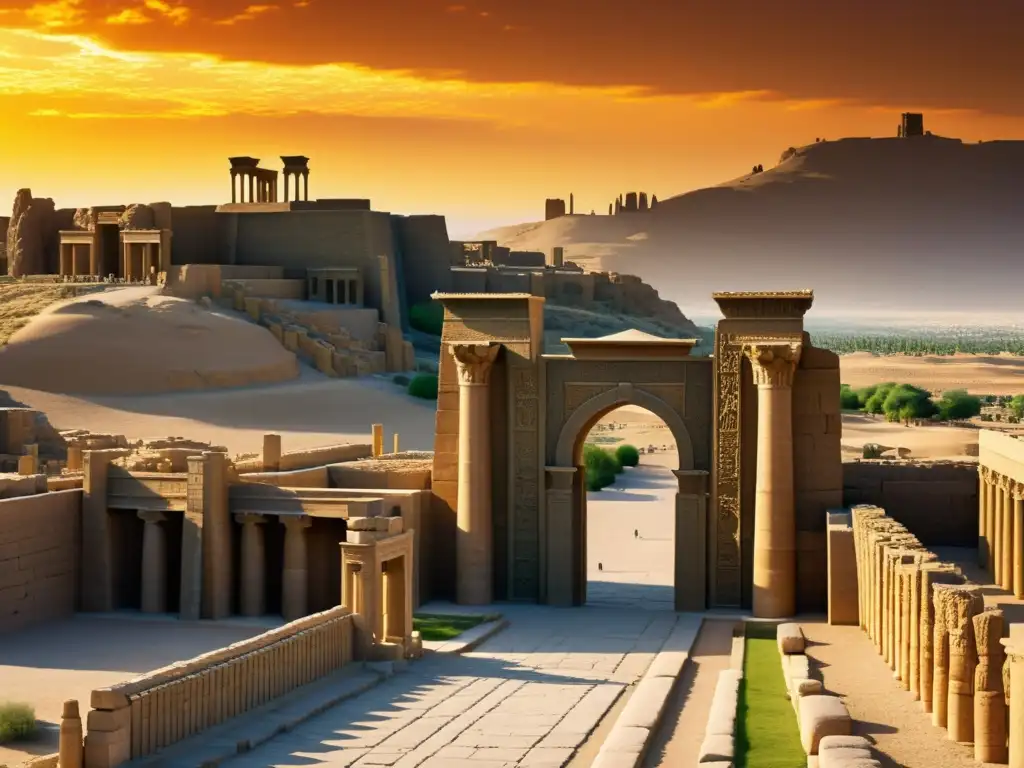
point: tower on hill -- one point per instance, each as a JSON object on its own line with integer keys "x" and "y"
{"x": 912, "y": 125}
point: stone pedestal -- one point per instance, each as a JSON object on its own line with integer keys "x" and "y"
{"x": 295, "y": 575}
{"x": 473, "y": 543}
{"x": 378, "y": 439}
{"x": 74, "y": 459}
{"x": 271, "y": 453}
{"x": 989, "y": 696}
{"x": 962, "y": 605}
{"x": 27, "y": 465}
{"x": 154, "y": 562}
{"x": 253, "y": 578}
{"x": 69, "y": 751}
{"x": 774, "y": 593}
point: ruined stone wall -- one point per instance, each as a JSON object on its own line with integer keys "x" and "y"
{"x": 195, "y": 235}
{"x": 469, "y": 280}
{"x": 426, "y": 255}
{"x": 936, "y": 501}
{"x": 40, "y": 541}
{"x": 817, "y": 469}
{"x": 317, "y": 239}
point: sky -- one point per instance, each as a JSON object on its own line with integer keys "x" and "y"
{"x": 478, "y": 109}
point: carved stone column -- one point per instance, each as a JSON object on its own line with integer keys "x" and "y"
{"x": 940, "y": 654}
{"x": 938, "y": 573}
{"x": 1013, "y": 684}
{"x": 774, "y": 594}
{"x": 989, "y": 696}
{"x": 983, "y": 483}
{"x": 990, "y": 520}
{"x": 962, "y": 605}
{"x": 154, "y": 562}
{"x": 561, "y": 535}
{"x": 473, "y": 543}
{"x": 1018, "y": 542}
{"x": 253, "y": 578}
{"x": 295, "y": 574}
{"x": 996, "y": 553}
{"x": 1013, "y": 490}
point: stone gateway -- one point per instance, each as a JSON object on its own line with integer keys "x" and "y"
{"x": 756, "y": 425}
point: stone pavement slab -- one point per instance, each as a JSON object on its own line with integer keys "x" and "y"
{"x": 528, "y": 696}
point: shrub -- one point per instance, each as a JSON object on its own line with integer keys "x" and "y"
{"x": 424, "y": 385}
{"x": 601, "y": 467}
{"x": 957, "y": 404}
{"x": 17, "y": 721}
{"x": 400, "y": 380}
{"x": 427, "y": 317}
{"x": 627, "y": 455}
{"x": 1016, "y": 405}
{"x": 848, "y": 399}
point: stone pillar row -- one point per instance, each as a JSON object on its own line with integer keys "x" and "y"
{"x": 1001, "y": 530}
{"x": 932, "y": 628}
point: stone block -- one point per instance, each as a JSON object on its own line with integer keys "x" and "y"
{"x": 790, "y": 638}
{"x": 645, "y": 706}
{"x": 822, "y": 716}
{"x": 716, "y": 748}
{"x": 807, "y": 687}
{"x": 797, "y": 667}
{"x": 364, "y": 537}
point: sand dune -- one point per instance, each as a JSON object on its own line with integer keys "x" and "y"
{"x": 133, "y": 341}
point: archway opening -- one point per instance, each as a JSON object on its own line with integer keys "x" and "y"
{"x": 627, "y": 513}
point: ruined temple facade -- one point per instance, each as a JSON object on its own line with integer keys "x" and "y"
{"x": 509, "y": 496}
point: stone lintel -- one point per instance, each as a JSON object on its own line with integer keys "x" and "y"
{"x": 692, "y": 482}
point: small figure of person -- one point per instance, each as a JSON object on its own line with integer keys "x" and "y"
{"x": 636, "y": 534}
{"x": 600, "y": 566}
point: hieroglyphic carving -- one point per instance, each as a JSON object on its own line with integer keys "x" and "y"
{"x": 526, "y": 467}
{"x": 727, "y": 469}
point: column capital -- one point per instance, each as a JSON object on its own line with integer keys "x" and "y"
{"x": 152, "y": 516}
{"x": 250, "y": 518}
{"x": 474, "y": 361}
{"x": 296, "y": 522}
{"x": 692, "y": 482}
{"x": 1013, "y": 648}
{"x": 773, "y": 362}
{"x": 1002, "y": 481}
{"x": 1016, "y": 490}
{"x": 985, "y": 473}
{"x": 560, "y": 478}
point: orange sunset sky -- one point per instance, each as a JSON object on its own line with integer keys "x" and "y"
{"x": 478, "y": 109}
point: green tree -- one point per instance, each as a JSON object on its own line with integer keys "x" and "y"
{"x": 903, "y": 402}
{"x": 627, "y": 455}
{"x": 848, "y": 399}
{"x": 956, "y": 405}
{"x": 1017, "y": 406}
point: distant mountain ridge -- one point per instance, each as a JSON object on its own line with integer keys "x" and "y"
{"x": 919, "y": 223}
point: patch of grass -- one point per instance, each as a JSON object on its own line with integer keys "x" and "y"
{"x": 21, "y": 301}
{"x": 440, "y": 627}
{"x": 17, "y": 722}
{"x": 767, "y": 735}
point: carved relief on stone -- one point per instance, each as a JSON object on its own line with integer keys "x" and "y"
{"x": 475, "y": 361}
{"x": 962, "y": 605}
{"x": 455, "y": 331}
{"x": 989, "y": 696}
{"x": 727, "y": 468}
{"x": 773, "y": 364}
{"x": 1017, "y": 490}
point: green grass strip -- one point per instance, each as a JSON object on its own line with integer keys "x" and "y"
{"x": 767, "y": 735}
{"x": 441, "y": 627}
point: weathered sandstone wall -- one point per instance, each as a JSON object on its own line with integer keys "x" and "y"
{"x": 40, "y": 538}
{"x": 426, "y": 255}
{"x": 937, "y": 502}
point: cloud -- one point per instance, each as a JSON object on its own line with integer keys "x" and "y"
{"x": 56, "y": 14}
{"x": 802, "y": 50}
{"x": 250, "y": 13}
{"x": 129, "y": 16}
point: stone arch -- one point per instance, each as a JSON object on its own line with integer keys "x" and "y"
{"x": 579, "y": 423}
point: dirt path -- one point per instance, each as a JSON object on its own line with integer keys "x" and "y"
{"x": 883, "y": 712}
{"x": 679, "y": 737}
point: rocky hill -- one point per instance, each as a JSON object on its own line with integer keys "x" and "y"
{"x": 925, "y": 222}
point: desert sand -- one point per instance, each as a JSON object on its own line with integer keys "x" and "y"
{"x": 978, "y": 374}
{"x": 135, "y": 341}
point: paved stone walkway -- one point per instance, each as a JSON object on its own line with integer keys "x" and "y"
{"x": 527, "y": 697}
